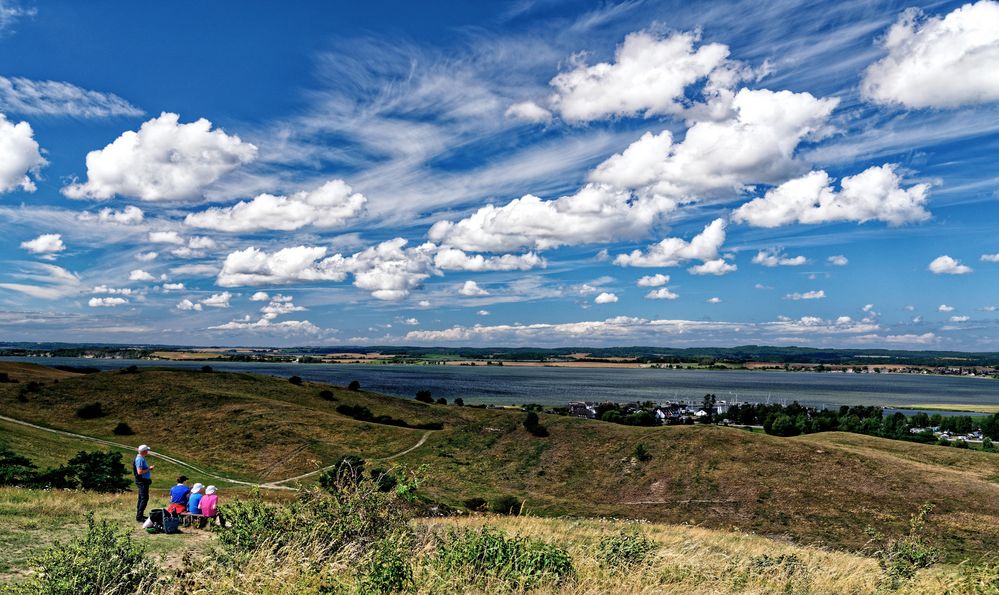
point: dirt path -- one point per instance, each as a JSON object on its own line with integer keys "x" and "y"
{"x": 278, "y": 484}
{"x": 273, "y": 485}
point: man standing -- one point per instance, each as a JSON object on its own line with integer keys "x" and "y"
{"x": 141, "y": 470}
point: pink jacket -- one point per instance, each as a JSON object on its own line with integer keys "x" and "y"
{"x": 209, "y": 505}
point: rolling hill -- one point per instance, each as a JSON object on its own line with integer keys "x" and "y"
{"x": 821, "y": 489}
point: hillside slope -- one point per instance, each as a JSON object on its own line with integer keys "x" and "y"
{"x": 821, "y": 489}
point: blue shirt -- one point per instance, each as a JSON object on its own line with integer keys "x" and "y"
{"x": 194, "y": 504}
{"x": 140, "y": 463}
{"x": 178, "y": 494}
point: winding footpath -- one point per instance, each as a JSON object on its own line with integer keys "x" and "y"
{"x": 272, "y": 485}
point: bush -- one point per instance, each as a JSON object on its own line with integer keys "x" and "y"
{"x": 91, "y": 411}
{"x": 347, "y": 468}
{"x": 475, "y": 504}
{"x": 424, "y": 396}
{"x": 122, "y": 429}
{"x": 15, "y": 470}
{"x": 641, "y": 453}
{"x": 388, "y": 569}
{"x": 102, "y": 561}
{"x": 254, "y": 524}
{"x": 441, "y": 401}
{"x": 354, "y": 385}
{"x": 32, "y": 387}
{"x": 943, "y": 441}
{"x": 4, "y": 377}
{"x": 56, "y": 478}
{"x": 506, "y": 505}
{"x": 959, "y": 443}
{"x": 296, "y": 380}
{"x": 327, "y": 395}
{"x": 520, "y": 562}
{"x": 100, "y": 471}
{"x": 987, "y": 444}
{"x": 459, "y": 402}
{"x": 625, "y": 549}
{"x": 131, "y": 370}
{"x": 206, "y": 369}
{"x": 384, "y": 480}
{"x": 901, "y": 557}
{"x": 532, "y": 425}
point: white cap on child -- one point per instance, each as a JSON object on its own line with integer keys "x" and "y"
{"x": 197, "y": 488}
{"x": 209, "y": 490}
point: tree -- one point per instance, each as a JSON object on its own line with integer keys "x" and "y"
{"x": 782, "y": 425}
{"x": 459, "y": 402}
{"x": 442, "y": 401}
{"x": 206, "y": 369}
{"x": 100, "y": 471}
{"x": 708, "y": 405}
{"x": 424, "y": 396}
{"x": 296, "y": 380}
{"x": 354, "y": 385}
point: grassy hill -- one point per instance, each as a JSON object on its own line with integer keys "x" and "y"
{"x": 821, "y": 489}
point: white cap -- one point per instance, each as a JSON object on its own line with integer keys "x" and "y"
{"x": 197, "y": 488}
{"x": 209, "y": 490}
{"x": 143, "y": 447}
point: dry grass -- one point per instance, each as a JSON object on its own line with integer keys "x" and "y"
{"x": 957, "y": 407}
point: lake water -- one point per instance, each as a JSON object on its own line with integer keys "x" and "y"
{"x": 557, "y": 386}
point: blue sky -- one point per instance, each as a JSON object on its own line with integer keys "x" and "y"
{"x": 501, "y": 173}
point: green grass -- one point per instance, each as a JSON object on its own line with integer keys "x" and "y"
{"x": 820, "y": 489}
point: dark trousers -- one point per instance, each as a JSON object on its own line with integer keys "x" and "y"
{"x": 143, "y": 489}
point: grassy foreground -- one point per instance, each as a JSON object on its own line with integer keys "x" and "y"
{"x": 680, "y": 559}
{"x": 818, "y": 490}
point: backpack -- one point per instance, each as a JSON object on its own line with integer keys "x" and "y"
{"x": 171, "y": 523}
{"x": 155, "y": 522}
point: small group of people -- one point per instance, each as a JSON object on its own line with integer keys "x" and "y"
{"x": 195, "y": 500}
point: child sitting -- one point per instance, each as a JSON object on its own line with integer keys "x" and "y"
{"x": 178, "y": 496}
{"x": 194, "y": 501}
{"x": 209, "y": 506}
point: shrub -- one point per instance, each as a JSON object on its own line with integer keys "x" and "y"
{"x": 102, "y": 561}
{"x": 384, "y": 480}
{"x": 62, "y": 477}
{"x": 625, "y": 549}
{"x": 206, "y": 369}
{"x": 131, "y": 370}
{"x": 354, "y": 385}
{"x": 781, "y": 569}
{"x": 122, "y": 429}
{"x": 388, "y": 569}
{"x": 296, "y": 380}
{"x": 459, "y": 402}
{"x": 506, "y": 505}
{"x": 424, "y": 396}
{"x": 987, "y": 444}
{"x": 901, "y": 557}
{"x": 4, "y": 377}
{"x": 327, "y": 395}
{"x": 532, "y": 425}
{"x": 91, "y": 411}
{"x": 254, "y": 524}
{"x": 980, "y": 578}
{"x": 943, "y": 441}
{"x": 347, "y": 468}
{"x": 441, "y": 401}
{"x": 520, "y": 562}
{"x": 475, "y": 504}
{"x": 33, "y": 387}
{"x": 100, "y": 471}
{"x": 959, "y": 443}
{"x": 14, "y": 469}
{"x": 641, "y": 453}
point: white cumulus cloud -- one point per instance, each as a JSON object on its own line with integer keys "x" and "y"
{"x": 656, "y": 280}
{"x": 528, "y": 111}
{"x": 106, "y": 302}
{"x": 20, "y": 156}
{"x": 663, "y": 293}
{"x": 48, "y": 243}
{"x": 471, "y": 288}
{"x": 674, "y": 251}
{"x": 939, "y": 62}
{"x": 717, "y": 267}
{"x": 838, "y": 260}
{"x": 808, "y": 295}
{"x": 872, "y": 195}
{"x": 775, "y": 257}
{"x": 332, "y": 205}
{"x": 945, "y": 265}
{"x": 605, "y": 298}
{"x": 164, "y": 161}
